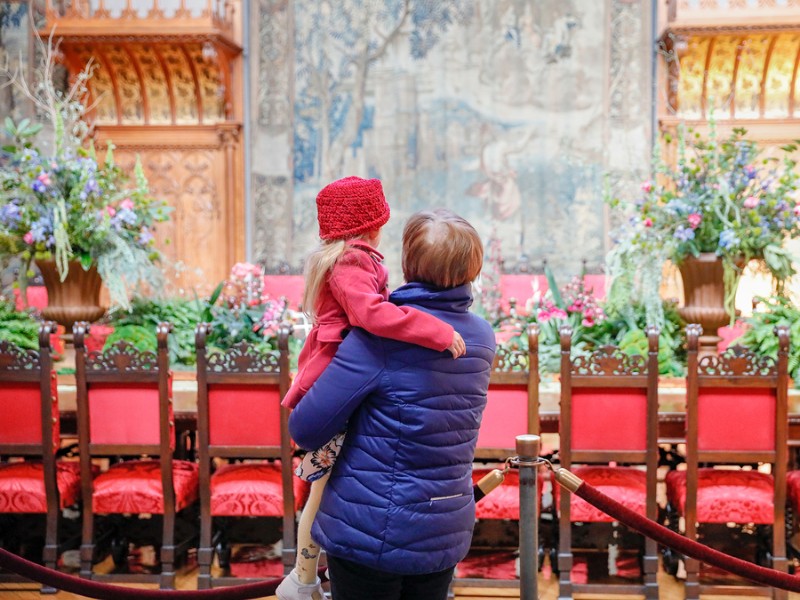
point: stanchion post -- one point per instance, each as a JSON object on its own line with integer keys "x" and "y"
{"x": 527, "y": 455}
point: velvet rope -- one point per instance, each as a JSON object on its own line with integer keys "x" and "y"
{"x": 104, "y": 591}
{"x": 676, "y": 541}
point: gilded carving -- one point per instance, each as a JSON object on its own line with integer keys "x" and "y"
{"x": 183, "y": 84}
{"x": 750, "y": 73}
{"x": 130, "y": 94}
{"x": 210, "y": 84}
{"x": 692, "y": 77}
{"x": 719, "y": 77}
{"x": 100, "y": 85}
{"x": 154, "y": 82}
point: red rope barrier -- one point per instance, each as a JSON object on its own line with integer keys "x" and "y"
{"x": 675, "y": 540}
{"x": 104, "y": 591}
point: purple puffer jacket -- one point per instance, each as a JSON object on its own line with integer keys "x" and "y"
{"x": 400, "y": 495}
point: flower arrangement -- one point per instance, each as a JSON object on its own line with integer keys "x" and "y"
{"x": 720, "y": 197}
{"x": 63, "y": 204}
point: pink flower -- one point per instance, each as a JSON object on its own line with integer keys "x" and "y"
{"x": 648, "y": 222}
{"x": 694, "y": 220}
{"x": 111, "y": 211}
{"x": 647, "y": 186}
{"x": 797, "y": 210}
{"x": 750, "y": 202}
{"x": 587, "y": 322}
{"x": 126, "y": 204}
{"x": 28, "y": 238}
{"x": 243, "y": 270}
{"x": 44, "y": 178}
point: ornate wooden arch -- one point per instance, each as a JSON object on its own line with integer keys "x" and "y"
{"x": 136, "y": 83}
{"x": 739, "y": 76}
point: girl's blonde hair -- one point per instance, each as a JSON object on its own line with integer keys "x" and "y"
{"x": 318, "y": 265}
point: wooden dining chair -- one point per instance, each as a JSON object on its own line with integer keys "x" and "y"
{"x": 608, "y": 436}
{"x": 512, "y": 409}
{"x": 736, "y": 418}
{"x": 29, "y": 429}
{"x": 125, "y": 414}
{"x": 246, "y": 454}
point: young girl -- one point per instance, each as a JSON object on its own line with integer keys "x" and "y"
{"x": 346, "y": 286}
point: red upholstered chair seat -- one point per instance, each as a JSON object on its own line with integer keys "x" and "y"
{"x": 135, "y": 487}
{"x": 503, "y": 501}
{"x": 251, "y": 489}
{"x": 628, "y": 486}
{"x": 22, "y": 486}
{"x": 793, "y": 488}
{"x": 726, "y": 496}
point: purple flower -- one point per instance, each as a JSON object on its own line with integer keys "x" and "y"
{"x": 684, "y": 234}
{"x": 145, "y": 236}
{"x": 10, "y": 214}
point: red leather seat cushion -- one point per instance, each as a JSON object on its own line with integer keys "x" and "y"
{"x": 626, "y": 485}
{"x": 251, "y": 489}
{"x": 725, "y": 496}
{"x": 135, "y": 487}
{"x": 22, "y": 486}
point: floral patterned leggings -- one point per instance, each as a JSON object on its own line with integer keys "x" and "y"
{"x": 318, "y": 463}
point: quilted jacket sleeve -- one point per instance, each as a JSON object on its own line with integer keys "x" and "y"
{"x": 342, "y": 387}
{"x": 355, "y": 287}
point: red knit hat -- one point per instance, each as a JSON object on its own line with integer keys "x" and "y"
{"x": 351, "y": 206}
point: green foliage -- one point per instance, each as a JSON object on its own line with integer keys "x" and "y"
{"x": 138, "y": 325}
{"x": 17, "y": 327}
{"x": 760, "y": 336}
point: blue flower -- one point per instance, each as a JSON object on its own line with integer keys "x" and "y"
{"x": 728, "y": 239}
{"x": 41, "y": 229}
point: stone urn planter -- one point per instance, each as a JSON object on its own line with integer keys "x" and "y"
{"x": 77, "y": 298}
{"x": 704, "y": 298}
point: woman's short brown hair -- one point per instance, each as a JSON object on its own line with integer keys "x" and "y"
{"x": 441, "y": 248}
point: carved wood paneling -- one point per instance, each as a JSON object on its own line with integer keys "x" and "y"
{"x": 190, "y": 168}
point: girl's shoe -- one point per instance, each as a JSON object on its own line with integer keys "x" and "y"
{"x": 291, "y": 589}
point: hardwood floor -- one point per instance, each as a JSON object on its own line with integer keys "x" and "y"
{"x": 669, "y": 589}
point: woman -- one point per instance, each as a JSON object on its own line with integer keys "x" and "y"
{"x": 398, "y": 510}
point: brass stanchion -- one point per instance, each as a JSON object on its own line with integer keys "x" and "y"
{"x": 528, "y": 461}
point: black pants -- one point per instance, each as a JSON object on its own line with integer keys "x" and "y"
{"x": 351, "y": 581}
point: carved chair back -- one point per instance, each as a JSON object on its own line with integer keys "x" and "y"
{"x": 124, "y": 403}
{"x": 239, "y": 393}
{"x": 512, "y": 409}
{"x": 512, "y": 406}
{"x": 736, "y": 414}
{"x": 30, "y": 428}
{"x": 609, "y": 418}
